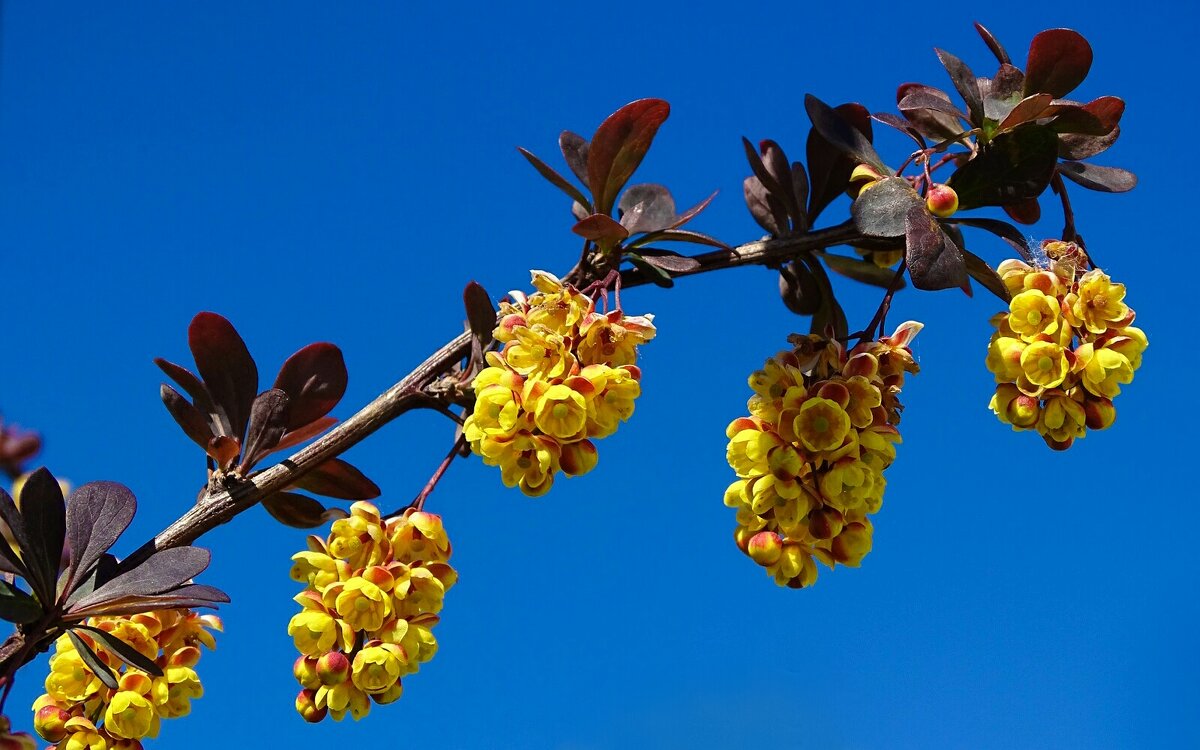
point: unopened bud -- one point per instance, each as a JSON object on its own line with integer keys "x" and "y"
{"x": 333, "y": 668}
{"x": 306, "y": 706}
{"x": 941, "y": 200}
{"x": 765, "y": 547}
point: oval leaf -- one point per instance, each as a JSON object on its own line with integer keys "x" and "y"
{"x": 934, "y": 261}
{"x": 314, "y": 380}
{"x": 1014, "y": 166}
{"x": 300, "y": 511}
{"x": 862, "y": 270}
{"x": 97, "y": 514}
{"x": 880, "y": 208}
{"x": 190, "y": 419}
{"x": 601, "y": 229}
{"x": 555, "y": 179}
{"x": 842, "y": 135}
{"x": 986, "y": 276}
{"x": 646, "y": 208}
{"x": 575, "y": 150}
{"x": 43, "y": 515}
{"x": 225, "y": 365}
{"x": 268, "y": 422}
{"x": 1093, "y": 177}
{"x": 1059, "y": 60}
{"x": 337, "y": 478}
{"x": 618, "y": 147}
{"x": 159, "y": 573}
{"x": 965, "y": 83}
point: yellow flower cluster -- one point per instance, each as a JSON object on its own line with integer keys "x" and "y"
{"x": 564, "y": 376}
{"x": 1063, "y": 349}
{"x": 810, "y": 457}
{"x": 375, "y": 587}
{"x": 79, "y": 713}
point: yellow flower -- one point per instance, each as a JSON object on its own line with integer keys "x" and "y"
{"x": 130, "y": 715}
{"x": 1044, "y": 364}
{"x": 539, "y": 352}
{"x": 83, "y": 735}
{"x": 1015, "y": 408}
{"x": 1033, "y": 313}
{"x": 362, "y": 605}
{"x": 313, "y": 632}
{"x": 70, "y": 680}
{"x": 378, "y": 667}
{"x": 559, "y": 412}
{"x": 1103, "y": 370}
{"x": 1004, "y": 358}
{"x": 613, "y": 339}
{"x": 821, "y": 424}
{"x": 853, "y": 543}
{"x": 1098, "y": 305}
{"x": 1062, "y": 420}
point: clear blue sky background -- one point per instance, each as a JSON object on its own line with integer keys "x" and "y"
{"x": 338, "y": 174}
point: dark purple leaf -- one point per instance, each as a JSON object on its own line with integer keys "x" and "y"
{"x": 1001, "y": 93}
{"x": 680, "y": 235}
{"x": 1059, "y": 60}
{"x": 121, "y": 650}
{"x": 1108, "y": 110}
{"x": 1093, "y": 177}
{"x": 16, "y": 606}
{"x": 314, "y": 380}
{"x": 861, "y": 270}
{"x": 481, "y": 313}
{"x": 646, "y": 208}
{"x": 798, "y": 288}
{"x": 965, "y": 83}
{"x": 1002, "y": 229}
{"x": 843, "y": 135}
{"x": 601, "y": 229}
{"x": 767, "y": 211}
{"x": 1027, "y": 211}
{"x": 656, "y": 275}
{"x": 194, "y": 424}
{"x": 102, "y": 572}
{"x": 161, "y": 572}
{"x": 575, "y": 151}
{"x": 268, "y": 422}
{"x": 692, "y": 212}
{"x": 987, "y": 277}
{"x": 43, "y": 517}
{"x": 904, "y": 126}
{"x": 800, "y": 223}
{"x": 191, "y": 385}
{"x": 923, "y": 98}
{"x": 776, "y": 164}
{"x": 880, "y": 208}
{"x": 10, "y": 562}
{"x": 993, "y": 44}
{"x": 226, "y": 366}
{"x": 829, "y": 318}
{"x": 299, "y": 511}
{"x": 618, "y": 147}
{"x": 754, "y": 159}
{"x": 93, "y": 662}
{"x": 1075, "y": 147}
{"x": 1069, "y": 118}
{"x": 190, "y": 596}
{"x": 934, "y": 261}
{"x": 97, "y": 514}
{"x": 336, "y": 478}
{"x": 292, "y": 438}
{"x": 669, "y": 261}
{"x": 932, "y": 123}
{"x": 1014, "y": 166}
{"x": 555, "y": 179}
{"x": 1027, "y": 109}
{"x": 828, "y": 168}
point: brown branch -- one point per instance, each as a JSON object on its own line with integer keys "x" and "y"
{"x": 221, "y": 506}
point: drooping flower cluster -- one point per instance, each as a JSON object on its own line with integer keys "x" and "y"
{"x": 565, "y": 376}
{"x": 810, "y": 457}
{"x": 374, "y": 591}
{"x": 1063, "y": 349}
{"x": 78, "y": 711}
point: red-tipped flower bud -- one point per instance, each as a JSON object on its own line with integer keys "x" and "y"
{"x": 941, "y": 200}
{"x": 306, "y": 706}
{"x": 333, "y": 668}
{"x": 765, "y": 547}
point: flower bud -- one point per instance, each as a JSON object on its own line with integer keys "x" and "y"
{"x": 51, "y": 723}
{"x": 941, "y": 200}
{"x": 333, "y": 668}
{"x": 765, "y": 547}
{"x": 305, "y": 670}
{"x": 1099, "y": 413}
{"x": 306, "y": 706}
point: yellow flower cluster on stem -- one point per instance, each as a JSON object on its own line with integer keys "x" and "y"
{"x": 565, "y": 375}
{"x": 1063, "y": 349}
{"x": 811, "y": 455}
{"x": 374, "y": 590}
{"x": 78, "y": 712}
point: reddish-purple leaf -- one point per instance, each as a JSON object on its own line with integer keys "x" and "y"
{"x": 1002, "y": 92}
{"x": 899, "y": 123}
{"x": 295, "y": 437}
{"x": 776, "y": 164}
{"x": 1093, "y": 177}
{"x": 767, "y": 211}
{"x": 190, "y": 596}
{"x": 965, "y": 83}
{"x": 1002, "y": 229}
{"x": 993, "y": 44}
{"x": 692, "y": 212}
{"x": 798, "y": 288}
{"x": 800, "y": 222}
{"x": 654, "y": 274}
{"x": 16, "y": 606}
{"x": 923, "y": 98}
{"x": 1075, "y": 147}
{"x": 930, "y": 122}
{"x": 268, "y": 422}
{"x": 554, "y": 178}
{"x": 43, "y": 530}
{"x": 828, "y": 168}
{"x": 1059, "y": 60}
{"x": 987, "y": 277}
{"x": 190, "y": 384}
{"x": 94, "y": 663}
{"x": 934, "y": 261}
{"x": 669, "y": 261}
{"x": 481, "y": 313}
{"x": 337, "y": 478}
{"x": 1107, "y": 109}
{"x": 861, "y": 270}
{"x": 121, "y": 650}
{"x": 1071, "y": 118}
{"x": 1027, "y": 109}
{"x": 575, "y": 150}
{"x": 10, "y": 562}
{"x": 646, "y": 208}
{"x": 601, "y": 229}
{"x": 618, "y": 147}
{"x": 680, "y": 235}
{"x": 880, "y": 209}
{"x": 226, "y": 366}
{"x": 300, "y": 511}
{"x": 1014, "y": 166}
{"x": 842, "y": 134}
{"x": 97, "y": 514}
{"x": 314, "y": 380}
{"x": 159, "y": 573}
{"x": 194, "y": 424}
{"x": 1026, "y": 211}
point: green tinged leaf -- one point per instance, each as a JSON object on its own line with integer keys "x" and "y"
{"x": 16, "y": 606}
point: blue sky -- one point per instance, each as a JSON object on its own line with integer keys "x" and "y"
{"x": 323, "y": 173}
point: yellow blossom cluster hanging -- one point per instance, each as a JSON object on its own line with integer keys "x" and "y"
{"x": 79, "y": 713}
{"x": 564, "y": 376}
{"x": 374, "y": 591}
{"x": 810, "y": 457}
{"x": 1063, "y": 349}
